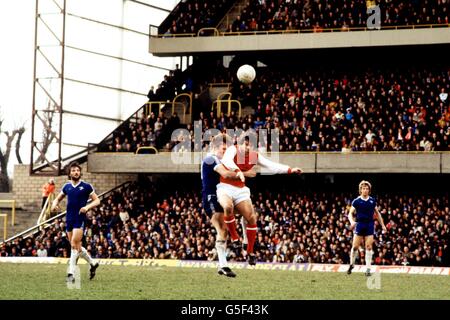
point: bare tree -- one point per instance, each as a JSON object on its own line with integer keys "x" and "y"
{"x": 5, "y": 153}
{"x": 4, "y": 159}
{"x": 20, "y": 133}
{"x": 48, "y": 134}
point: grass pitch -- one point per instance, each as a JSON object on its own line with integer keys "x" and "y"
{"x": 47, "y": 281}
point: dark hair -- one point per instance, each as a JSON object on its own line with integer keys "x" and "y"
{"x": 74, "y": 164}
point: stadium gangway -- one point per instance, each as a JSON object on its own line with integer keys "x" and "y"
{"x": 47, "y": 223}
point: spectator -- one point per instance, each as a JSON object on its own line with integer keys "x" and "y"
{"x": 47, "y": 190}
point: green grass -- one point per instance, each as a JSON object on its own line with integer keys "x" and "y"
{"x": 47, "y": 281}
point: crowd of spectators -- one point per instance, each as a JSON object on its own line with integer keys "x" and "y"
{"x": 142, "y": 221}
{"x": 390, "y": 109}
{"x": 264, "y": 15}
{"x": 192, "y": 15}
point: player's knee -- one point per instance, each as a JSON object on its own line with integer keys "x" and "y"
{"x": 252, "y": 219}
{"x": 75, "y": 244}
{"x": 228, "y": 209}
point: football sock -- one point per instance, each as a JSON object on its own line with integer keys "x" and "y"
{"x": 251, "y": 235}
{"x": 353, "y": 254}
{"x": 84, "y": 254}
{"x": 231, "y": 225}
{"x": 369, "y": 254}
{"x": 221, "y": 248}
{"x": 73, "y": 261}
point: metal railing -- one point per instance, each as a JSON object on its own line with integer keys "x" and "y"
{"x": 46, "y": 209}
{"x": 5, "y": 224}
{"x": 13, "y": 209}
{"x": 138, "y": 151}
{"x": 47, "y": 223}
{"x": 218, "y": 105}
{"x": 311, "y": 30}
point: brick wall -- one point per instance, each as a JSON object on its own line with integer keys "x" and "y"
{"x": 26, "y": 189}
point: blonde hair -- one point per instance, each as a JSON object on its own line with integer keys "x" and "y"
{"x": 365, "y": 183}
{"x": 219, "y": 139}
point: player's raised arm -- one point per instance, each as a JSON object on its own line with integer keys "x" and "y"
{"x": 55, "y": 203}
{"x": 380, "y": 219}
{"x": 275, "y": 167}
{"x": 228, "y": 162}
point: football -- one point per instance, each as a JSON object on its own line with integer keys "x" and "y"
{"x": 246, "y": 73}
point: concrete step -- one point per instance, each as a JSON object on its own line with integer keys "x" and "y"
{"x": 23, "y": 220}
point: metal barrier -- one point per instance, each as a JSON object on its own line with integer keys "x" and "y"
{"x": 174, "y": 102}
{"x": 202, "y": 30}
{"x": 13, "y": 209}
{"x": 46, "y": 210}
{"x": 218, "y": 105}
{"x": 146, "y": 148}
{"x": 47, "y": 222}
{"x": 5, "y": 225}
{"x": 161, "y": 104}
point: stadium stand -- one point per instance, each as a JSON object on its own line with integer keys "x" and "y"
{"x": 343, "y": 14}
{"x": 189, "y": 16}
{"x": 152, "y": 220}
{"x": 390, "y": 109}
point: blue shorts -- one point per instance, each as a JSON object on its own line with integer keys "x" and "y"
{"x": 211, "y": 204}
{"x": 365, "y": 228}
{"x": 74, "y": 224}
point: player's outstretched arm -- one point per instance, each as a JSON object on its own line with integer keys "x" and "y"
{"x": 95, "y": 202}
{"x": 380, "y": 219}
{"x": 275, "y": 167}
{"x": 55, "y": 203}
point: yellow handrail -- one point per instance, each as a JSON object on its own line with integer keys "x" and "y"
{"x": 13, "y": 209}
{"x": 146, "y": 148}
{"x": 189, "y": 95}
{"x": 5, "y": 225}
{"x": 223, "y": 94}
{"x": 218, "y": 103}
{"x": 46, "y": 210}
{"x": 148, "y": 107}
{"x": 216, "y": 32}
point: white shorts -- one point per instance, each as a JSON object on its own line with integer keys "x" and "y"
{"x": 235, "y": 193}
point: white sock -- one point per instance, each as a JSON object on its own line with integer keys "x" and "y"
{"x": 222, "y": 253}
{"x": 353, "y": 254}
{"x": 369, "y": 254}
{"x": 244, "y": 230}
{"x": 85, "y": 255}
{"x": 73, "y": 261}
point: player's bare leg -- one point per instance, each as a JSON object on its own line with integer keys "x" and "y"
{"x": 354, "y": 252}
{"x": 245, "y": 208}
{"x": 369, "y": 253}
{"x": 221, "y": 244}
{"x": 227, "y": 204}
